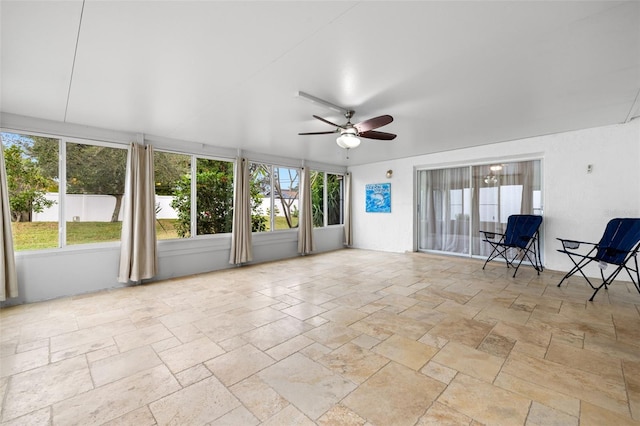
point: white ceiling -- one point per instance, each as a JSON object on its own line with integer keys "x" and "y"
{"x": 452, "y": 74}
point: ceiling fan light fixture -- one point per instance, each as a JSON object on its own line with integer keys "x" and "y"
{"x": 348, "y": 141}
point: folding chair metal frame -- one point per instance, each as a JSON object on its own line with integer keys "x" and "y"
{"x": 527, "y": 246}
{"x": 603, "y": 253}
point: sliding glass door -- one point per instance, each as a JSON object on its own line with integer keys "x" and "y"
{"x": 454, "y": 204}
{"x": 444, "y": 209}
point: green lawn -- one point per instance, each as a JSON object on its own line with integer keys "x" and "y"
{"x": 34, "y": 235}
{"x": 281, "y": 223}
{"x": 43, "y": 235}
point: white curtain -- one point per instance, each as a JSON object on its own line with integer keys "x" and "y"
{"x": 445, "y": 211}
{"x": 241, "y": 251}
{"x": 138, "y": 252}
{"x": 511, "y": 193}
{"x": 305, "y": 226}
{"x": 8, "y": 275}
{"x": 348, "y": 229}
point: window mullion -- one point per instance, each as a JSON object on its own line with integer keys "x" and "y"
{"x": 342, "y": 200}
{"x": 194, "y": 200}
{"x": 272, "y": 218}
{"x": 325, "y": 201}
{"x": 62, "y": 192}
{"x": 471, "y": 217}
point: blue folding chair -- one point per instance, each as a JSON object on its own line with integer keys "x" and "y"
{"x": 522, "y": 235}
{"x": 618, "y": 245}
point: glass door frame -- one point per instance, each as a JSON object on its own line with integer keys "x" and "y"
{"x": 418, "y": 207}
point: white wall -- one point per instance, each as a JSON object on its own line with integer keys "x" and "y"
{"x": 49, "y": 274}
{"x": 576, "y": 204}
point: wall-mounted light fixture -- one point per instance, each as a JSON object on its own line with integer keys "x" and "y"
{"x": 389, "y": 174}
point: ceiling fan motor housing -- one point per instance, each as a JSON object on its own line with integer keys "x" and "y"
{"x": 349, "y": 130}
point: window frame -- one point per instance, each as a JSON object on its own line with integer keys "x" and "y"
{"x": 193, "y": 155}
{"x": 325, "y": 198}
{"x": 62, "y": 175}
{"x": 537, "y": 162}
{"x": 272, "y": 200}
{"x": 62, "y": 188}
{"x": 62, "y": 141}
{"x": 194, "y": 193}
{"x": 193, "y": 226}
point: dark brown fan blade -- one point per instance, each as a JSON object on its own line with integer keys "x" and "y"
{"x": 372, "y": 134}
{"x": 373, "y": 123}
{"x": 328, "y": 122}
{"x": 318, "y": 133}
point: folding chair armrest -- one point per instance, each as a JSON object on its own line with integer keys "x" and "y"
{"x": 491, "y": 235}
{"x": 573, "y": 244}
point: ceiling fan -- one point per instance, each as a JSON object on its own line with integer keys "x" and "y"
{"x": 350, "y": 133}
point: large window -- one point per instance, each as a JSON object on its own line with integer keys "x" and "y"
{"x": 214, "y": 196}
{"x": 455, "y": 204}
{"x": 327, "y": 195}
{"x": 95, "y": 177}
{"x": 173, "y": 195}
{"x": 277, "y": 190}
{"x": 33, "y": 192}
{"x": 87, "y": 209}
{"x": 208, "y": 186}
{"x": 70, "y": 192}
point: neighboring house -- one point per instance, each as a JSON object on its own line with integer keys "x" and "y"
{"x": 290, "y": 198}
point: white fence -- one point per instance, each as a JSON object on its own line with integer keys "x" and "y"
{"x": 94, "y": 208}
{"x": 99, "y": 208}
{"x": 163, "y": 207}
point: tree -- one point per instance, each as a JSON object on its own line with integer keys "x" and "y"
{"x": 206, "y": 181}
{"x": 334, "y": 190}
{"x": 45, "y": 151}
{"x": 287, "y": 196}
{"x": 285, "y": 187}
{"x": 334, "y": 199}
{"x": 214, "y": 198}
{"x": 94, "y": 169}
{"x": 316, "y": 182}
{"x": 256, "y": 189}
{"x": 91, "y": 169}
{"x": 26, "y": 183}
{"x": 169, "y": 170}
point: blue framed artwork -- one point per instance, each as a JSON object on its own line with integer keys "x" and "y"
{"x": 378, "y": 197}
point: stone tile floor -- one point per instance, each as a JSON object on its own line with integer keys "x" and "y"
{"x": 349, "y": 337}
